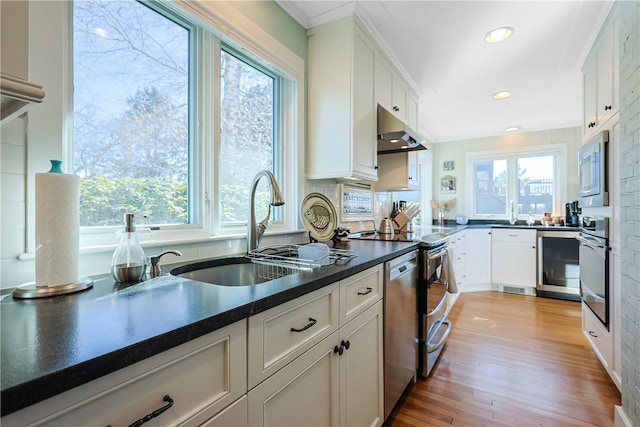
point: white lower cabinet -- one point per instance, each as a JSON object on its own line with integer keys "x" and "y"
{"x": 338, "y": 382}
{"x": 513, "y": 258}
{"x": 599, "y": 337}
{"x": 200, "y": 377}
{"x": 330, "y": 373}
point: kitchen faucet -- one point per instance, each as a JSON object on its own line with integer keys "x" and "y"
{"x": 255, "y": 231}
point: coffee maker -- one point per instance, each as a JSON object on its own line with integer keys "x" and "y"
{"x": 572, "y": 210}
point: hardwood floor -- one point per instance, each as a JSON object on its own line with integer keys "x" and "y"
{"x": 512, "y": 360}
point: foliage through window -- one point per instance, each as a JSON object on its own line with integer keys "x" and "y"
{"x": 131, "y": 113}
{"x": 527, "y": 180}
{"x": 247, "y": 135}
{"x": 133, "y": 149}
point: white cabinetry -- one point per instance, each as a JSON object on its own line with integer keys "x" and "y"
{"x": 513, "y": 259}
{"x": 398, "y": 171}
{"x": 393, "y": 93}
{"x": 201, "y": 377}
{"x": 337, "y": 381}
{"x": 342, "y": 113}
{"x": 600, "y": 80}
{"x": 599, "y": 337}
{"x": 471, "y": 249}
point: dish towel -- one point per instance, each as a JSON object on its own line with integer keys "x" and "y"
{"x": 448, "y": 272}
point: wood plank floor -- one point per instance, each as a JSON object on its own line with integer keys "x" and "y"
{"x": 512, "y": 360}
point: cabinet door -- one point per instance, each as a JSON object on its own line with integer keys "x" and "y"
{"x": 412, "y": 111}
{"x": 589, "y": 96}
{"x": 235, "y": 415}
{"x": 478, "y": 257}
{"x": 364, "y": 138}
{"x": 384, "y": 83}
{"x": 362, "y": 370}
{"x": 399, "y": 98}
{"x": 607, "y": 74}
{"x": 305, "y": 392}
{"x": 398, "y": 171}
{"x": 359, "y": 292}
{"x": 513, "y": 257}
{"x": 598, "y": 336}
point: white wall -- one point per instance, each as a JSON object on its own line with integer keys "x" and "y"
{"x": 456, "y": 150}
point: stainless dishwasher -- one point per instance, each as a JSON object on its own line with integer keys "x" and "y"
{"x": 400, "y": 327}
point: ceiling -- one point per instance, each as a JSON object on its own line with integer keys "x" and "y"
{"x": 439, "y": 47}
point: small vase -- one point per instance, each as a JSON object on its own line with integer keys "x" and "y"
{"x": 441, "y": 218}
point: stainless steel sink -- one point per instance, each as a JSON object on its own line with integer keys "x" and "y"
{"x": 238, "y": 271}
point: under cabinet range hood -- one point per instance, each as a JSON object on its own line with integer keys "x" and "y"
{"x": 17, "y": 97}
{"x": 394, "y": 136}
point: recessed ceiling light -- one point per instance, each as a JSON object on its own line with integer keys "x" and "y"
{"x": 498, "y": 35}
{"x": 393, "y": 141}
{"x": 502, "y": 95}
{"x": 512, "y": 129}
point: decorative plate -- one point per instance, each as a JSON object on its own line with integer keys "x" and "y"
{"x": 319, "y": 216}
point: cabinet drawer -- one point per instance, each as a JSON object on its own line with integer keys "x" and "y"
{"x": 359, "y": 292}
{"x": 279, "y": 335}
{"x": 598, "y": 336}
{"x": 201, "y": 377}
{"x": 514, "y": 235}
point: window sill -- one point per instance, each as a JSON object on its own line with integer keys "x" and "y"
{"x": 92, "y": 244}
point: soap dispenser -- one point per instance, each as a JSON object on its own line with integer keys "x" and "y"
{"x": 129, "y": 262}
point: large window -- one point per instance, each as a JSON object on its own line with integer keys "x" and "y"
{"x": 131, "y": 113}
{"x": 138, "y": 143}
{"x": 526, "y": 179}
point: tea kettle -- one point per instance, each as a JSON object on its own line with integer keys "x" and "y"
{"x": 386, "y": 226}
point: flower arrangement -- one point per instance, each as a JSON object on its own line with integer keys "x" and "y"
{"x": 442, "y": 207}
{"x": 445, "y": 206}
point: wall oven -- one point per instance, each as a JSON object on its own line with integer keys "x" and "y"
{"x": 592, "y": 171}
{"x": 594, "y": 265}
{"x": 434, "y": 328}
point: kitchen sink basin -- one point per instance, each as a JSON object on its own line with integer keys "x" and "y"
{"x": 238, "y": 271}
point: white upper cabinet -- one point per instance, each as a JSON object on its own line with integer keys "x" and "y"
{"x": 394, "y": 94}
{"x": 342, "y": 133}
{"x": 600, "y": 80}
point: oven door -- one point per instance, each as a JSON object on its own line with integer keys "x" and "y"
{"x": 594, "y": 275}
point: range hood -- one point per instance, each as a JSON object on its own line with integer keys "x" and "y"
{"x": 394, "y": 136}
{"x": 17, "y": 97}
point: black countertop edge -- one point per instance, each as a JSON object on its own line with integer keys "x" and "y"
{"x": 49, "y": 384}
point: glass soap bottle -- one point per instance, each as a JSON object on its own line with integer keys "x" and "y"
{"x": 129, "y": 262}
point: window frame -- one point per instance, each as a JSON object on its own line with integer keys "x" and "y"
{"x": 559, "y": 153}
{"x": 228, "y": 25}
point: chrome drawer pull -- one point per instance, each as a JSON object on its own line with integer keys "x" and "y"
{"x": 155, "y": 413}
{"x": 305, "y": 327}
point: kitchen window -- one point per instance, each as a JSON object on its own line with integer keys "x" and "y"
{"x": 154, "y": 135}
{"x": 529, "y": 178}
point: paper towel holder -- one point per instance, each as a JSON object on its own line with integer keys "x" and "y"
{"x": 30, "y": 290}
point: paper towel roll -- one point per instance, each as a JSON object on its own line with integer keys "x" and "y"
{"x": 57, "y": 229}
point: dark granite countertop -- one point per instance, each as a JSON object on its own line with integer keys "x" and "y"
{"x": 52, "y": 345}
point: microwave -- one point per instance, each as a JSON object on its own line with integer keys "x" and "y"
{"x": 593, "y": 189}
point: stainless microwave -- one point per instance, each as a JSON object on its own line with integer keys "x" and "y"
{"x": 593, "y": 188}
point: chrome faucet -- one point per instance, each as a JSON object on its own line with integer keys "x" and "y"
{"x": 255, "y": 231}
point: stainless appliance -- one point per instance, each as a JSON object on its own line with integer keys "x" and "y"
{"x": 592, "y": 171}
{"x": 594, "y": 265}
{"x": 434, "y": 328}
{"x": 400, "y": 328}
{"x": 394, "y": 136}
{"x": 558, "y": 265}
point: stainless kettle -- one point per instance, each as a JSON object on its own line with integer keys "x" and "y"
{"x": 386, "y": 226}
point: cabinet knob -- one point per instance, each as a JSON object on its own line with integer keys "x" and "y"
{"x": 592, "y": 124}
{"x": 338, "y": 350}
{"x": 345, "y": 344}
{"x": 593, "y": 334}
{"x": 607, "y": 107}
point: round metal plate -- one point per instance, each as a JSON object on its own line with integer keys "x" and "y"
{"x": 319, "y": 216}
{"x": 31, "y": 290}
